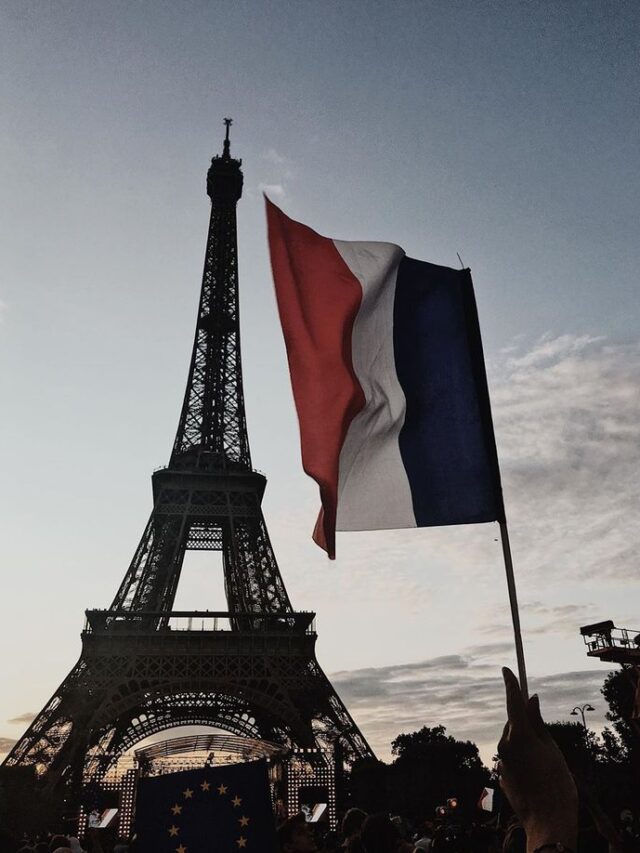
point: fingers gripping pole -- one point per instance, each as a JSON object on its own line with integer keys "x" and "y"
{"x": 513, "y": 603}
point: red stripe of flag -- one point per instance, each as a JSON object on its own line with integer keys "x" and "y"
{"x": 318, "y": 299}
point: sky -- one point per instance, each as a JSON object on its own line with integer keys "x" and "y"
{"x": 506, "y": 132}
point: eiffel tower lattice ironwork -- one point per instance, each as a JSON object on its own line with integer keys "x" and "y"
{"x": 251, "y": 669}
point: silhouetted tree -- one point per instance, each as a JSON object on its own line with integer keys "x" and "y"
{"x": 604, "y": 765}
{"x": 613, "y": 749}
{"x": 430, "y": 767}
{"x": 580, "y": 747}
{"x": 619, "y": 690}
{"x": 621, "y": 767}
{"x": 367, "y": 785}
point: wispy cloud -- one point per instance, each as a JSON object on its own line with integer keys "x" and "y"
{"x": 5, "y": 744}
{"x": 27, "y": 717}
{"x": 542, "y": 619}
{"x": 278, "y": 174}
{"x": 462, "y": 692}
{"x": 549, "y": 349}
{"x": 567, "y": 416}
{"x": 274, "y": 157}
{"x": 273, "y": 190}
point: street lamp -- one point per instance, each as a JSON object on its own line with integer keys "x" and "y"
{"x": 580, "y": 709}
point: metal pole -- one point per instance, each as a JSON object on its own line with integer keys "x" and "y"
{"x": 513, "y": 602}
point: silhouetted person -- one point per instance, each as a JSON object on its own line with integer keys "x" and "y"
{"x": 352, "y": 824}
{"x": 294, "y": 836}
{"x": 379, "y": 835}
{"x": 425, "y": 842}
{"x": 450, "y": 838}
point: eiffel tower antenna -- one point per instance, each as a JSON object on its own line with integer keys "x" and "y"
{"x": 228, "y": 122}
{"x": 250, "y": 669}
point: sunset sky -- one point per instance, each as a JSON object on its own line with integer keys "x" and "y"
{"x": 503, "y": 131}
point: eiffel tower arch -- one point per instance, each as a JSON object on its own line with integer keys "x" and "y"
{"x": 144, "y": 667}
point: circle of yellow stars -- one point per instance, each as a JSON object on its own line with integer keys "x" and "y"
{"x": 187, "y": 794}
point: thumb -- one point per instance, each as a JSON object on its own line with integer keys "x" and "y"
{"x": 535, "y": 717}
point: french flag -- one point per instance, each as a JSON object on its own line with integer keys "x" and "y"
{"x": 389, "y": 383}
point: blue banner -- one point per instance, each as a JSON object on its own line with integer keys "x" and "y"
{"x": 212, "y": 810}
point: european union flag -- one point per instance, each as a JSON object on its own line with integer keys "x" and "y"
{"x": 212, "y": 810}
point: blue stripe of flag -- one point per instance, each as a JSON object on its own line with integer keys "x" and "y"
{"x": 447, "y": 442}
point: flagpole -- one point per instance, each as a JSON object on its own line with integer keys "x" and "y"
{"x": 513, "y": 602}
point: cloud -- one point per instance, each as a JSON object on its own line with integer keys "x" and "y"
{"x": 559, "y": 619}
{"x": 277, "y": 175}
{"x": 462, "y": 692}
{"x": 27, "y": 717}
{"x": 279, "y": 164}
{"x": 3, "y": 310}
{"x": 567, "y": 418}
{"x": 548, "y": 349}
{"x": 5, "y": 744}
{"x": 273, "y": 190}
{"x": 543, "y": 619}
{"x": 272, "y": 156}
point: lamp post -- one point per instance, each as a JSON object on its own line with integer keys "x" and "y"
{"x": 580, "y": 709}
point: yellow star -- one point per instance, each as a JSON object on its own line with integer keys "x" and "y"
{"x": 236, "y": 800}
{"x": 205, "y": 786}
{"x": 174, "y": 830}
{"x": 243, "y": 821}
{"x": 188, "y": 794}
{"x": 242, "y": 841}
{"x": 177, "y": 809}
{"x": 181, "y": 849}
{"x": 222, "y": 789}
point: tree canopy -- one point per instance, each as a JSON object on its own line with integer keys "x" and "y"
{"x": 431, "y": 766}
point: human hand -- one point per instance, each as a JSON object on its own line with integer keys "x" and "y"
{"x": 534, "y": 775}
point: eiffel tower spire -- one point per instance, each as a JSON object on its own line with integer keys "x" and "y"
{"x": 208, "y": 498}
{"x": 251, "y": 669}
{"x": 212, "y": 433}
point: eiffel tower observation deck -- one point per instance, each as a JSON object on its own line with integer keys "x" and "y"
{"x": 144, "y": 668}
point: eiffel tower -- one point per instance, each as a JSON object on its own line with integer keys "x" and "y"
{"x": 251, "y": 669}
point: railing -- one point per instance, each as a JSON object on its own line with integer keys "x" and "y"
{"x": 126, "y": 621}
{"x": 167, "y": 467}
{"x": 610, "y": 637}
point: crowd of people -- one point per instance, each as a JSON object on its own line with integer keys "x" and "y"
{"x": 379, "y": 833}
{"x": 537, "y": 784}
{"x": 67, "y": 844}
{"x": 534, "y": 779}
